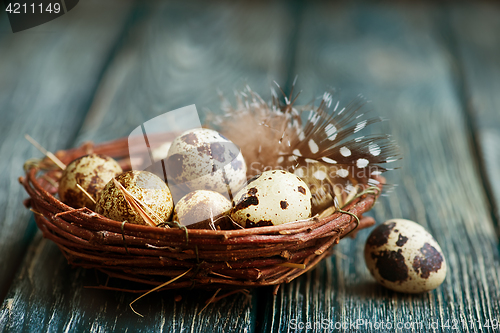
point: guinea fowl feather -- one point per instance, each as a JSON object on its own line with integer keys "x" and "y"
{"x": 322, "y": 149}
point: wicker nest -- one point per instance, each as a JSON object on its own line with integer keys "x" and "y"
{"x": 212, "y": 258}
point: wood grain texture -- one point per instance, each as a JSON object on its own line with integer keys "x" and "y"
{"x": 177, "y": 54}
{"x": 183, "y": 54}
{"x": 395, "y": 55}
{"x": 478, "y": 53}
{"x": 47, "y": 77}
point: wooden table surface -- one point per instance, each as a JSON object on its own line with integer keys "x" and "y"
{"x": 432, "y": 69}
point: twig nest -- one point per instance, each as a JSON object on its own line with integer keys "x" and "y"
{"x": 272, "y": 198}
{"x": 203, "y": 159}
{"x": 144, "y": 186}
{"x": 402, "y": 256}
{"x": 199, "y": 208}
{"x": 92, "y": 172}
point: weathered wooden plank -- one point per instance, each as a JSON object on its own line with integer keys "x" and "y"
{"x": 47, "y": 77}
{"x": 394, "y": 55}
{"x": 177, "y": 55}
{"x": 52, "y": 296}
{"x": 183, "y": 55}
{"x": 478, "y": 50}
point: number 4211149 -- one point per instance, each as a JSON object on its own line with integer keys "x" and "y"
{"x": 19, "y": 8}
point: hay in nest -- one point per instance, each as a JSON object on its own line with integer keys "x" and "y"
{"x": 240, "y": 258}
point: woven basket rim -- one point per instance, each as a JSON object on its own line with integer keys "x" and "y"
{"x": 86, "y": 238}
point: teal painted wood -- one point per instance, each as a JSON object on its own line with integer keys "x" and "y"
{"x": 182, "y": 54}
{"x": 178, "y": 54}
{"x": 478, "y": 54}
{"x": 46, "y": 86}
{"x": 396, "y": 56}
{"x": 51, "y": 296}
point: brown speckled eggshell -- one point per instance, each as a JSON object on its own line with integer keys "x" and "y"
{"x": 92, "y": 172}
{"x": 272, "y": 198}
{"x": 145, "y": 186}
{"x": 402, "y": 256}
{"x": 195, "y": 154}
{"x": 199, "y": 206}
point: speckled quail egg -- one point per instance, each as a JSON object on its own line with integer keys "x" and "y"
{"x": 272, "y": 198}
{"x": 199, "y": 207}
{"x": 203, "y": 159}
{"x": 402, "y": 256}
{"x": 91, "y": 172}
{"x": 315, "y": 177}
{"x": 144, "y": 186}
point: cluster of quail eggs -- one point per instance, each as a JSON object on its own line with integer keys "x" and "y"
{"x": 88, "y": 182}
{"x": 206, "y": 179}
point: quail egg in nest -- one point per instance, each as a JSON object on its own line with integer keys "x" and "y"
{"x": 145, "y": 186}
{"x": 201, "y": 208}
{"x": 203, "y": 159}
{"x": 92, "y": 172}
{"x": 272, "y": 198}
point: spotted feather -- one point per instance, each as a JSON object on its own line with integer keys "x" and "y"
{"x": 321, "y": 144}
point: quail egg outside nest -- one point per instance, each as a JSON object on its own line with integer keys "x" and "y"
{"x": 402, "y": 256}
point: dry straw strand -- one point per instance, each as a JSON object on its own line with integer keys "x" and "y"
{"x": 156, "y": 288}
{"x": 47, "y": 153}
{"x": 150, "y": 255}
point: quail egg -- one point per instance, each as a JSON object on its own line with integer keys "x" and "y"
{"x": 203, "y": 159}
{"x": 402, "y": 256}
{"x": 201, "y": 206}
{"x": 144, "y": 186}
{"x": 91, "y": 172}
{"x": 272, "y": 198}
